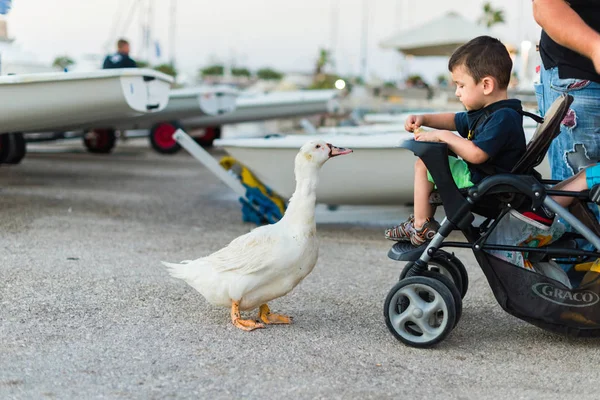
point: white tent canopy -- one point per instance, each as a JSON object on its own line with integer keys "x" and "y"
{"x": 438, "y": 37}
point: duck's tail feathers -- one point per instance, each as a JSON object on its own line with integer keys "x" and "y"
{"x": 180, "y": 271}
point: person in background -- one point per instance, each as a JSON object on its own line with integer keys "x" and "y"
{"x": 570, "y": 52}
{"x": 121, "y": 58}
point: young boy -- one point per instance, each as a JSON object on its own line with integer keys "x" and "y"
{"x": 491, "y": 131}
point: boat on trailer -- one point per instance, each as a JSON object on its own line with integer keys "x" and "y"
{"x": 63, "y": 101}
{"x": 205, "y": 124}
{"x": 72, "y": 100}
{"x": 378, "y": 172}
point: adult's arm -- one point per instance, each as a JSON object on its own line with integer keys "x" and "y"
{"x": 567, "y": 28}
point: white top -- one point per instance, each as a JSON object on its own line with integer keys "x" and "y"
{"x": 279, "y": 98}
{"x": 368, "y": 140}
{"x": 99, "y": 74}
{"x": 201, "y": 90}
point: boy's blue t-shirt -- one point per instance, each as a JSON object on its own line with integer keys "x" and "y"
{"x": 501, "y": 135}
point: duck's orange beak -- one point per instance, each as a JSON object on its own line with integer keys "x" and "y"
{"x": 337, "y": 151}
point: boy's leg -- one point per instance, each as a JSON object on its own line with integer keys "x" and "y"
{"x": 423, "y": 189}
{"x": 576, "y": 183}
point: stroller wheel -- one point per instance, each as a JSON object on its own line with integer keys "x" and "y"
{"x": 453, "y": 289}
{"x": 420, "y": 311}
{"x": 448, "y": 265}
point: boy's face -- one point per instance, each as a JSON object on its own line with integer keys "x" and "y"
{"x": 471, "y": 94}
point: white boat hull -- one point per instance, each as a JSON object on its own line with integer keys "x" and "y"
{"x": 272, "y": 106}
{"x": 376, "y": 173}
{"x": 79, "y": 100}
{"x": 185, "y": 103}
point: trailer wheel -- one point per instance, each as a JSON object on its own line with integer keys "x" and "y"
{"x": 161, "y": 137}
{"x": 4, "y": 147}
{"x": 16, "y": 148}
{"x": 210, "y": 134}
{"x": 100, "y": 141}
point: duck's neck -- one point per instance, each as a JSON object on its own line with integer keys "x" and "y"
{"x": 301, "y": 208}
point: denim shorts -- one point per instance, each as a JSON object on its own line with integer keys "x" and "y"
{"x": 578, "y": 144}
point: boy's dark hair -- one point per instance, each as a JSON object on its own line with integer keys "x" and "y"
{"x": 121, "y": 43}
{"x": 484, "y": 56}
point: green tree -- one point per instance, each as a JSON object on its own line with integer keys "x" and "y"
{"x": 168, "y": 69}
{"x": 142, "y": 64}
{"x": 442, "y": 80}
{"x": 415, "y": 80}
{"x": 323, "y": 60}
{"x": 491, "y": 16}
{"x": 241, "y": 72}
{"x": 213, "y": 70}
{"x": 63, "y": 62}
{"x": 324, "y": 81}
{"x": 269, "y": 74}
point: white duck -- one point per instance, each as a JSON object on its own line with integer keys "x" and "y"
{"x": 269, "y": 261}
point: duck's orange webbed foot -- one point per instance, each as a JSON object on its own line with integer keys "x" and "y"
{"x": 264, "y": 313}
{"x": 243, "y": 324}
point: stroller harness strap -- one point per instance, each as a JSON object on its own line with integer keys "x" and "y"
{"x": 487, "y": 168}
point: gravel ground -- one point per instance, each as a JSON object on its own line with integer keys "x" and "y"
{"x": 88, "y": 312}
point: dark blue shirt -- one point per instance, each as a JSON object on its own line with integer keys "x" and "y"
{"x": 118, "y": 60}
{"x": 500, "y": 135}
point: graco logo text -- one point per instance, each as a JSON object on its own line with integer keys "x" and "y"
{"x": 565, "y": 297}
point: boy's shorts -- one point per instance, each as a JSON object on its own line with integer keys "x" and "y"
{"x": 592, "y": 175}
{"x": 461, "y": 174}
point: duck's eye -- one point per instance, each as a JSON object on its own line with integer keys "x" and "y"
{"x": 318, "y": 146}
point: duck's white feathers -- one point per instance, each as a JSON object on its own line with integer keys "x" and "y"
{"x": 248, "y": 253}
{"x": 264, "y": 264}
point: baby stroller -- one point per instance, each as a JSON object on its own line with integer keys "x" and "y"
{"x": 426, "y": 304}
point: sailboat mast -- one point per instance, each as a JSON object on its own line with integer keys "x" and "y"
{"x": 365, "y": 40}
{"x": 172, "y": 25}
{"x": 335, "y": 16}
{"x": 149, "y": 25}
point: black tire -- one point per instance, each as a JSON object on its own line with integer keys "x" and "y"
{"x": 100, "y": 141}
{"x": 461, "y": 269}
{"x": 161, "y": 137}
{"x": 447, "y": 264}
{"x": 4, "y": 146}
{"x": 210, "y": 134}
{"x": 453, "y": 289}
{"x": 405, "y": 322}
{"x": 16, "y": 148}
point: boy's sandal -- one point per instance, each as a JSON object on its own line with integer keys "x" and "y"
{"x": 402, "y": 231}
{"x": 425, "y": 233}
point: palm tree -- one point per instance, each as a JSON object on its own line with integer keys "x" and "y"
{"x": 63, "y": 62}
{"x": 323, "y": 60}
{"x": 491, "y": 16}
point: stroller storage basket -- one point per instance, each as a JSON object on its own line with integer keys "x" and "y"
{"x": 543, "y": 301}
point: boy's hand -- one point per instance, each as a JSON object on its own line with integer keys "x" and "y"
{"x": 427, "y": 136}
{"x": 413, "y": 122}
